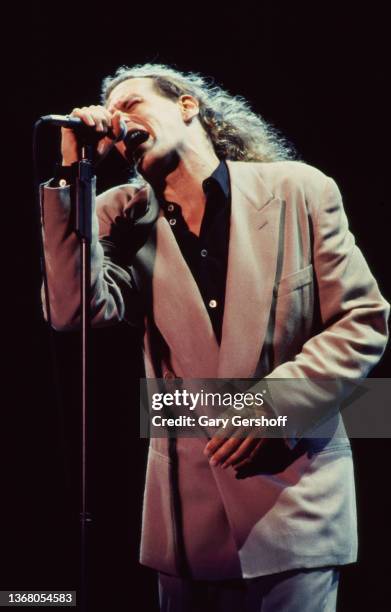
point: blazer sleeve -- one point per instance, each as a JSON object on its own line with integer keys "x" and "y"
{"x": 114, "y": 296}
{"x": 354, "y": 321}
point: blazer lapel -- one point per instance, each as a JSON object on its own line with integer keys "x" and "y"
{"x": 252, "y": 266}
{"x": 178, "y": 308}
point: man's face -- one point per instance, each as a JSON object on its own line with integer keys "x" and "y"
{"x": 165, "y": 120}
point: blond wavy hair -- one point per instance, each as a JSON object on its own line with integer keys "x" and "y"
{"x": 236, "y": 132}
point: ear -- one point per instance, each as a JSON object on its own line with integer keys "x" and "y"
{"x": 189, "y": 107}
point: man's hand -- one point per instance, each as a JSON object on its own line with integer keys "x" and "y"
{"x": 237, "y": 446}
{"x": 93, "y": 116}
{"x": 234, "y": 451}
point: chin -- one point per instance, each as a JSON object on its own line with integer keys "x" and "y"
{"x": 154, "y": 164}
{"x": 147, "y": 161}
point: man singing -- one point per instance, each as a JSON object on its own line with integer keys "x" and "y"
{"x": 237, "y": 262}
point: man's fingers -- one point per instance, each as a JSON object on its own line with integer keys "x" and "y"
{"x": 96, "y": 116}
{"x": 242, "y": 452}
{"x": 220, "y": 438}
{"x": 116, "y": 123}
{"x": 225, "y": 450}
{"x": 83, "y": 114}
{"x": 104, "y": 145}
{"x": 213, "y": 444}
{"x": 107, "y": 116}
{"x": 103, "y": 118}
{"x": 247, "y": 460}
{"x": 241, "y": 464}
{"x": 234, "y": 451}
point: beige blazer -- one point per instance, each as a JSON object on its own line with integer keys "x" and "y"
{"x": 301, "y": 302}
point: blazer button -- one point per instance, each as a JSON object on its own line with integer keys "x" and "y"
{"x": 168, "y": 375}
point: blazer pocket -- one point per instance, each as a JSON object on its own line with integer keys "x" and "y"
{"x": 294, "y": 281}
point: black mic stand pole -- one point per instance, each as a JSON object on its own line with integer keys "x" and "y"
{"x": 83, "y": 202}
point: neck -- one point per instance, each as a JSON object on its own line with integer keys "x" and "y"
{"x": 182, "y": 182}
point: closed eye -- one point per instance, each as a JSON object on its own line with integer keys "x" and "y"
{"x": 131, "y": 103}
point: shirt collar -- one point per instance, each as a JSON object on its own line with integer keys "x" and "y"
{"x": 219, "y": 177}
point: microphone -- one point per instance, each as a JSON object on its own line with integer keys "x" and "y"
{"x": 87, "y": 132}
{"x": 88, "y": 135}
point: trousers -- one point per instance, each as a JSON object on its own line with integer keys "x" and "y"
{"x": 304, "y": 590}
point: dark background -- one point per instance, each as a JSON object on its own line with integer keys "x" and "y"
{"x": 317, "y": 73}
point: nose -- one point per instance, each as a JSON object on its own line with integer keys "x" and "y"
{"x": 113, "y": 108}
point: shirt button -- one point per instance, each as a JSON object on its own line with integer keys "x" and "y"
{"x": 172, "y": 221}
{"x": 204, "y": 253}
{"x": 170, "y": 207}
{"x": 212, "y": 304}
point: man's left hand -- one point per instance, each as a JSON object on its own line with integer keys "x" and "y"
{"x": 233, "y": 451}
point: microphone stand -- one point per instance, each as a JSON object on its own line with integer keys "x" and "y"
{"x": 82, "y": 199}
{"x": 83, "y": 202}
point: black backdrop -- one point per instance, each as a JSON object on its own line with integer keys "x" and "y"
{"x": 317, "y": 73}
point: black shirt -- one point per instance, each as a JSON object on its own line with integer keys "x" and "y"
{"x": 207, "y": 254}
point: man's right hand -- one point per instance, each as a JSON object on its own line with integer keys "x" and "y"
{"x": 93, "y": 116}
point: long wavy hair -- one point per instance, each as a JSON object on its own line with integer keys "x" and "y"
{"x": 236, "y": 132}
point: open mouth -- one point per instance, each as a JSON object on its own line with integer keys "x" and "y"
{"x": 133, "y": 140}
